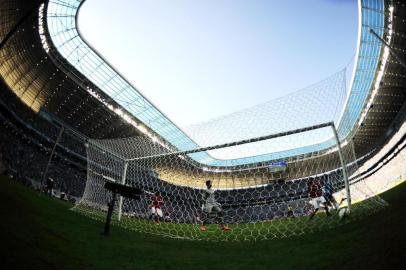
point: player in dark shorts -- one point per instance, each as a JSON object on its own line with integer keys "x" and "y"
{"x": 50, "y": 186}
{"x": 328, "y": 191}
{"x": 290, "y": 211}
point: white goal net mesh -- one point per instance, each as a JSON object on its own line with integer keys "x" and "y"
{"x": 236, "y": 181}
{"x": 254, "y": 201}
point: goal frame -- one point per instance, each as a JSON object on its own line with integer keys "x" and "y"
{"x": 241, "y": 142}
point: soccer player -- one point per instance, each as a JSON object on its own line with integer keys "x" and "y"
{"x": 167, "y": 217}
{"x": 156, "y": 204}
{"x": 290, "y": 211}
{"x": 327, "y": 191}
{"x": 317, "y": 200}
{"x": 50, "y": 186}
{"x": 212, "y": 207}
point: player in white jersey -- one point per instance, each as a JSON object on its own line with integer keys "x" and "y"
{"x": 212, "y": 208}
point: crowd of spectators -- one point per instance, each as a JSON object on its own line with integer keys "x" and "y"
{"x": 26, "y": 142}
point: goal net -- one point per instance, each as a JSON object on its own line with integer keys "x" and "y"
{"x": 268, "y": 189}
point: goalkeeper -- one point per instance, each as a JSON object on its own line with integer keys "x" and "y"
{"x": 212, "y": 208}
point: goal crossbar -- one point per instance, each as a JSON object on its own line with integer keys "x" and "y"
{"x": 236, "y": 143}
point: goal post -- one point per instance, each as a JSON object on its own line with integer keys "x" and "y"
{"x": 344, "y": 167}
{"x": 120, "y": 200}
{"x": 267, "y": 137}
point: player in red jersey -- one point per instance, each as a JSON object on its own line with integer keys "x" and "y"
{"x": 317, "y": 199}
{"x": 156, "y": 204}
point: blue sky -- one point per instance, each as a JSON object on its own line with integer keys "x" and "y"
{"x": 197, "y": 60}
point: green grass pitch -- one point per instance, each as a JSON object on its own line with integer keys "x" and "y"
{"x": 38, "y": 232}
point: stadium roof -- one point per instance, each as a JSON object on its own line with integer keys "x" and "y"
{"x": 66, "y": 38}
{"x": 49, "y": 66}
